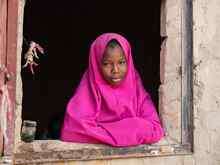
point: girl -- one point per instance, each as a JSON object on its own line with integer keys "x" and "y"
{"x": 110, "y": 104}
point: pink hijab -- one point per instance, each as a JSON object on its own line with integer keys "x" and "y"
{"x": 118, "y": 116}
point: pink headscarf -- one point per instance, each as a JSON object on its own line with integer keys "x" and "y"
{"x": 122, "y": 115}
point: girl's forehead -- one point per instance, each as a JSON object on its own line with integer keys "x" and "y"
{"x": 110, "y": 52}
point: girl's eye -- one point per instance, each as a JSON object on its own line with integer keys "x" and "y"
{"x": 106, "y": 64}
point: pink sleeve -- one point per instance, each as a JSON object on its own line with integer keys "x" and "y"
{"x": 143, "y": 129}
{"x": 150, "y": 115}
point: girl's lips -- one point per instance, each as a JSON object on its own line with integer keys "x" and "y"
{"x": 115, "y": 80}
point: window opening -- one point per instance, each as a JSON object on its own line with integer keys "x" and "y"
{"x": 66, "y": 30}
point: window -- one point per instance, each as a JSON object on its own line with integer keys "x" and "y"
{"x": 65, "y": 35}
{"x": 175, "y": 108}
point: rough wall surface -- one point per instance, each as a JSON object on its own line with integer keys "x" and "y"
{"x": 170, "y": 63}
{"x": 206, "y": 53}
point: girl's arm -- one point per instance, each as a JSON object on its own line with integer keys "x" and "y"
{"x": 150, "y": 115}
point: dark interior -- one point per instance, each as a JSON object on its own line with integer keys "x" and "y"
{"x": 65, "y": 29}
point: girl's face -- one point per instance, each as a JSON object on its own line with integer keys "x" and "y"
{"x": 114, "y": 65}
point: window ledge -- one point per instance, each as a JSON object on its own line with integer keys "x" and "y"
{"x": 55, "y": 150}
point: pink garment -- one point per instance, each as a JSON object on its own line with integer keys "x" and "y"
{"x": 122, "y": 115}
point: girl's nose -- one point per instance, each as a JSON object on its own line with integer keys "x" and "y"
{"x": 115, "y": 69}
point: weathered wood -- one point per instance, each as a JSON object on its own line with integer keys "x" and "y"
{"x": 12, "y": 23}
{"x": 3, "y": 24}
{"x": 187, "y": 99}
{"x": 57, "y": 151}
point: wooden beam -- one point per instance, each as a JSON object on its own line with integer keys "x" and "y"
{"x": 3, "y": 39}
{"x": 11, "y": 63}
{"x": 187, "y": 85}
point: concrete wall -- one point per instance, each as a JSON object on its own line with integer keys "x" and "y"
{"x": 206, "y": 54}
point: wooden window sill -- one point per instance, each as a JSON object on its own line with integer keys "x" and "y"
{"x": 55, "y": 151}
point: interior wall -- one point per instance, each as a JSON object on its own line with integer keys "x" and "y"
{"x": 66, "y": 30}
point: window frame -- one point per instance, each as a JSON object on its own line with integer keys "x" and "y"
{"x": 54, "y": 150}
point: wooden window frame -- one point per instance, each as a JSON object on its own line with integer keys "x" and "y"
{"x": 55, "y": 150}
